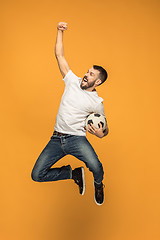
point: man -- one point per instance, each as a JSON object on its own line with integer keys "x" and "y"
{"x": 69, "y": 137}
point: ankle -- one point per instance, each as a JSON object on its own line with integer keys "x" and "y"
{"x": 73, "y": 174}
{"x": 98, "y": 185}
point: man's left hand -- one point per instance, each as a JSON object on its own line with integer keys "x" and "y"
{"x": 96, "y": 131}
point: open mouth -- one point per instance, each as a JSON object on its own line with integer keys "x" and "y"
{"x": 85, "y": 80}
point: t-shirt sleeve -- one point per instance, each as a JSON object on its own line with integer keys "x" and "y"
{"x": 100, "y": 109}
{"x": 70, "y": 77}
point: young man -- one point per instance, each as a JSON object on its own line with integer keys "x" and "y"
{"x": 69, "y": 137}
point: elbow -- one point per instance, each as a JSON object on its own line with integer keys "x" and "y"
{"x": 58, "y": 55}
{"x": 106, "y": 132}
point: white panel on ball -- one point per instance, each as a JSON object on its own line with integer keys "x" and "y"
{"x": 95, "y": 119}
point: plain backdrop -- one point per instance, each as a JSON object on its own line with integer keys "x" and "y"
{"x": 123, "y": 37}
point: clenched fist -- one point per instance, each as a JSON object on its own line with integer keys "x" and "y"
{"x": 62, "y": 26}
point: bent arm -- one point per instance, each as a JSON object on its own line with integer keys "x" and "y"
{"x": 59, "y": 51}
{"x": 99, "y": 131}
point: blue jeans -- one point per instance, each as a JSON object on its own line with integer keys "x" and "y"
{"x": 60, "y": 146}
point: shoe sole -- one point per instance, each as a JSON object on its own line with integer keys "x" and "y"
{"x": 83, "y": 179}
{"x": 99, "y": 204}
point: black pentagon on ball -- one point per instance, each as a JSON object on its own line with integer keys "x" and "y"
{"x": 89, "y": 122}
{"x": 97, "y": 115}
{"x": 101, "y": 123}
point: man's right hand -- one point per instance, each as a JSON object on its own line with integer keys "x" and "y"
{"x": 62, "y": 26}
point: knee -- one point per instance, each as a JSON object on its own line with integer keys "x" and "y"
{"x": 35, "y": 176}
{"x": 101, "y": 168}
{"x": 98, "y": 168}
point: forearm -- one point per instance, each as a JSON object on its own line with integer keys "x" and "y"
{"x": 59, "y": 50}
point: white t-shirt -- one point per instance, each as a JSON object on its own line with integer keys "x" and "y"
{"x": 76, "y": 104}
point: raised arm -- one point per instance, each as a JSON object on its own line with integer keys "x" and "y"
{"x": 59, "y": 51}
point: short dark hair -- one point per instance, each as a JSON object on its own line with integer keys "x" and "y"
{"x": 102, "y": 73}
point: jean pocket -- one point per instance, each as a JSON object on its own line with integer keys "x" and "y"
{"x": 53, "y": 136}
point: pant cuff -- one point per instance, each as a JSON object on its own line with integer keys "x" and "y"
{"x": 97, "y": 182}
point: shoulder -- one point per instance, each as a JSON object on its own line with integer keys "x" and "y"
{"x": 71, "y": 77}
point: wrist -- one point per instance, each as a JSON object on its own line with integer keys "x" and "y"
{"x": 60, "y": 30}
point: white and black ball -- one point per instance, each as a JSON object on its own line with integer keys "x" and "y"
{"x": 95, "y": 119}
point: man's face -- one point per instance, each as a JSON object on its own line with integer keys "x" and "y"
{"x": 89, "y": 78}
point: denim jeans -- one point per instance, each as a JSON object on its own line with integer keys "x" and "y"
{"x": 60, "y": 146}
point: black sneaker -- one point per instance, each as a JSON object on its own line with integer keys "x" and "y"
{"x": 99, "y": 194}
{"x": 78, "y": 177}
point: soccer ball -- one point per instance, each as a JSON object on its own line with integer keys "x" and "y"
{"x": 95, "y": 119}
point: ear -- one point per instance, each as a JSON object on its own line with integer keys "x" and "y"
{"x": 98, "y": 81}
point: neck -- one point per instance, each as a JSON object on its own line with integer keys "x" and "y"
{"x": 91, "y": 89}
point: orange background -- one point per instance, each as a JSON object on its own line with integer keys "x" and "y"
{"x": 122, "y": 36}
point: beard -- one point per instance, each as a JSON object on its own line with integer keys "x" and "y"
{"x": 87, "y": 85}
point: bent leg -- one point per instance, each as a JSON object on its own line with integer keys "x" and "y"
{"x": 83, "y": 150}
{"x": 42, "y": 171}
